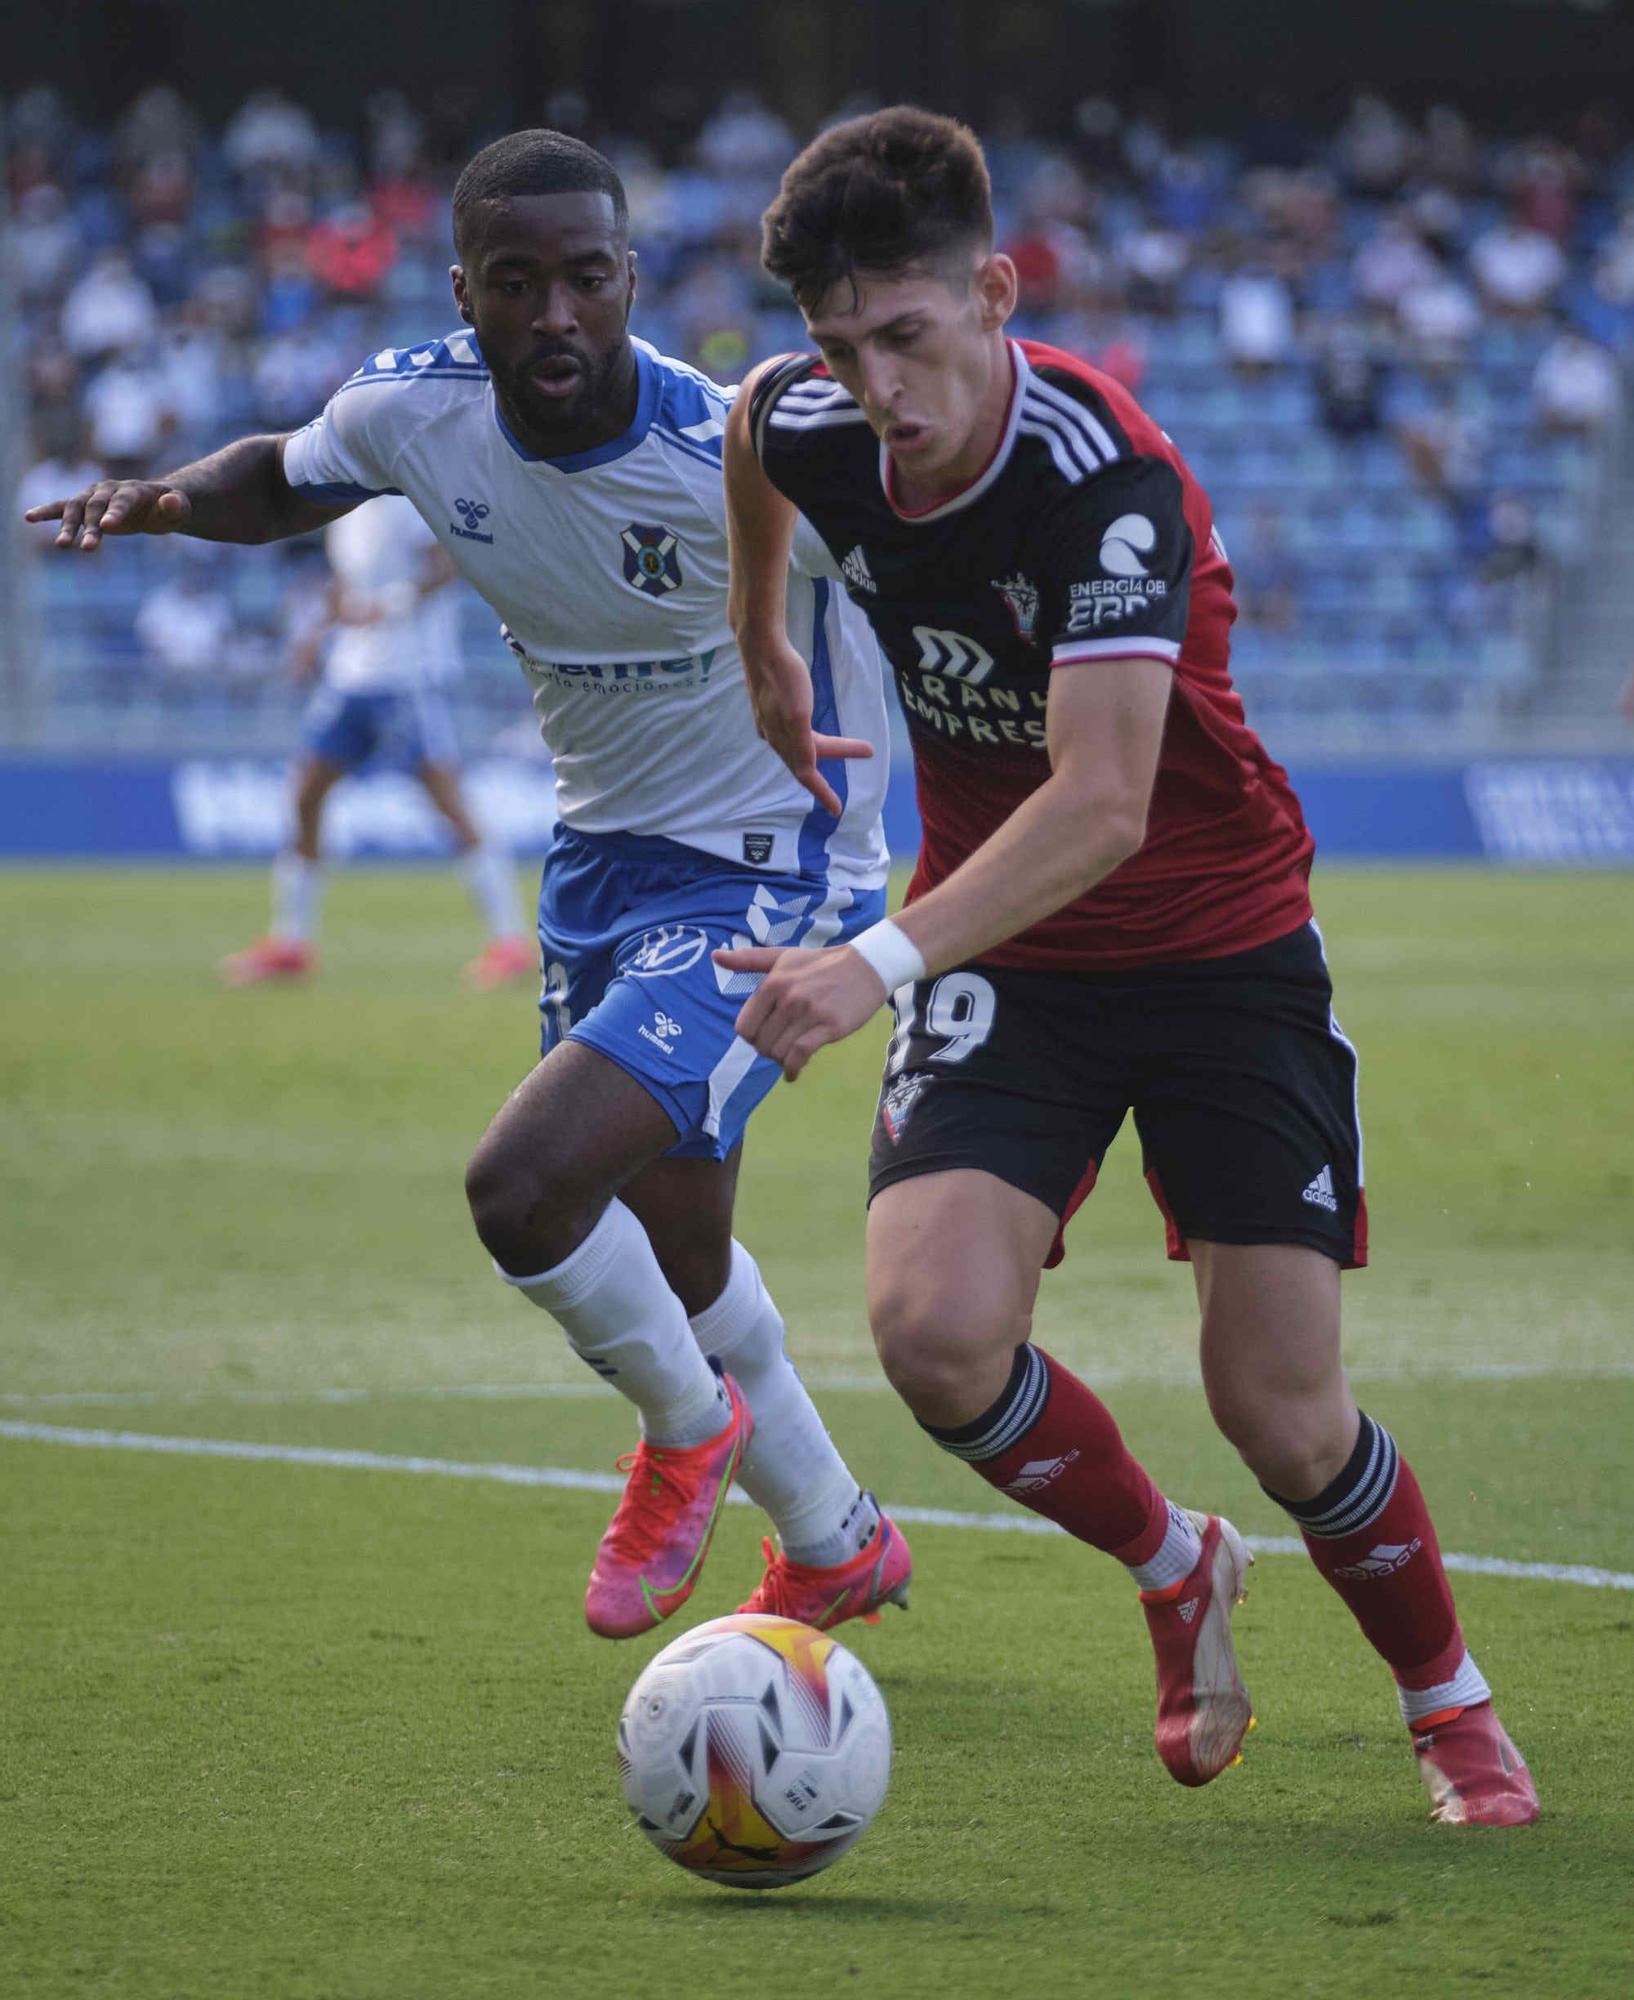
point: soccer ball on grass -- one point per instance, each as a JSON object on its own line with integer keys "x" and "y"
{"x": 754, "y": 1751}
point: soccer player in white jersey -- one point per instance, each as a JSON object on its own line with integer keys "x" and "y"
{"x": 573, "y": 475}
{"x": 390, "y": 631}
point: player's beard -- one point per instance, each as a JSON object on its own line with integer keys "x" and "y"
{"x": 557, "y": 416}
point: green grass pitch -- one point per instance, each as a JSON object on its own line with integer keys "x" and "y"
{"x": 309, "y": 1733}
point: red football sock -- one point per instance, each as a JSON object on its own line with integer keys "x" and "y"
{"x": 1051, "y": 1443}
{"x": 1371, "y": 1536}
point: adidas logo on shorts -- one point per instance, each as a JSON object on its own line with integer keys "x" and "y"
{"x": 1320, "y": 1193}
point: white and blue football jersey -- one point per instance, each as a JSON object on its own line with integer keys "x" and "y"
{"x": 608, "y": 569}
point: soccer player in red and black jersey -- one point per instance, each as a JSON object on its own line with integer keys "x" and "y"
{"x": 1110, "y": 914}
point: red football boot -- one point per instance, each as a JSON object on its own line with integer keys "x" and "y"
{"x": 268, "y": 958}
{"x": 504, "y": 960}
{"x": 877, "y": 1575}
{"x": 654, "y": 1547}
{"x": 1203, "y": 1711}
{"x": 1474, "y": 1774}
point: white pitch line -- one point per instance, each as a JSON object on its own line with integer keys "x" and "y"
{"x": 822, "y": 1382}
{"x": 562, "y": 1479}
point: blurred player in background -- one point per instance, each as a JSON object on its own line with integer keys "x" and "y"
{"x": 1110, "y": 914}
{"x": 573, "y": 476}
{"x": 387, "y": 637}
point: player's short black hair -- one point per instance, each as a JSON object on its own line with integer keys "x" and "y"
{"x": 899, "y": 188}
{"x": 535, "y": 162}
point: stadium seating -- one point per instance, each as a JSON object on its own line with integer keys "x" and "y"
{"x": 1374, "y": 585}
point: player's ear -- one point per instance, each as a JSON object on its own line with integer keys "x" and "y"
{"x": 629, "y": 270}
{"x": 456, "y": 277}
{"x": 997, "y": 289}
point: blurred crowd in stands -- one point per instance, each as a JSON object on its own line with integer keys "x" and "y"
{"x": 1396, "y": 356}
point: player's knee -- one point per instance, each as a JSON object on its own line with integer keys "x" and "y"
{"x": 931, "y": 1345}
{"x": 1295, "y": 1446}
{"x": 507, "y": 1207}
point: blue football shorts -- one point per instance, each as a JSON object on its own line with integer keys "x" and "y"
{"x": 627, "y": 923}
{"x": 403, "y": 729}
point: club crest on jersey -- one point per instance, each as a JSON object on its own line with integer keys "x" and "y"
{"x": 472, "y": 513}
{"x": 1021, "y": 601}
{"x": 670, "y": 949}
{"x": 898, "y": 1102}
{"x": 650, "y": 561}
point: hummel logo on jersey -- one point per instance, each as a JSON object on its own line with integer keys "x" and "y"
{"x": 1188, "y": 1610}
{"x": 662, "y": 1034}
{"x": 1320, "y": 1192}
{"x": 1382, "y": 1560}
{"x": 856, "y": 572}
{"x": 650, "y": 561}
{"x": 1021, "y": 601}
{"x": 473, "y": 513}
{"x": 953, "y": 655}
{"x": 1037, "y": 1473}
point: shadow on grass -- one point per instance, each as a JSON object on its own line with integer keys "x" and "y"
{"x": 800, "y": 1907}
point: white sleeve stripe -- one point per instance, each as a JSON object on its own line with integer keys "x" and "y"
{"x": 1073, "y": 651}
{"x": 816, "y": 421}
{"x": 1068, "y": 463}
{"x": 1076, "y": 440}
{"x": 1102, "y": 438}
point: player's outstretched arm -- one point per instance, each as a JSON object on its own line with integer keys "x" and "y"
{"x": 760, "y": 531}
{"x": 1105, "y": 724}
{"x": 237, "y": 494}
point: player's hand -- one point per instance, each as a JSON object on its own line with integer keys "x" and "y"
{"x": 115, "y": 507}
{"x": 780, "y": 694}
{"x": 806, "y": 1000}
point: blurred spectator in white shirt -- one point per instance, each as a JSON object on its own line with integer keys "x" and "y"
{"x": 159, "y": 120}
{"x": 109, "y": 311}
{"x": 1439, "y": 319}
{"x": 44, "y": 242}
{"x": 1389, "y": 263}
{"x": 185, "y": 626}
{"x": 744, "y": 137}
{"x": 1576, "y": 387}
{"x": 1256, "y": 319}
{"x": 297, "y": 373}
{"x": 1518, "y": 269}
{"x": 131, "y": 416}
{"x": 1375, "y": 146}
{"x": 268, "y": 132}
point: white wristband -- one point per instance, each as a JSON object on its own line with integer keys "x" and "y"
{"x": 892, "y": 954}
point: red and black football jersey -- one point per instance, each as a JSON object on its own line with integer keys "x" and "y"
{"x": 1085, "y": 538}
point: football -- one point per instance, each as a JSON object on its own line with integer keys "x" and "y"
{"x": 754, "y": 1751}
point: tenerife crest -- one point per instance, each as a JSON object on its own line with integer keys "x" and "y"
{"x": 650, "y": 560}
{"x": 1021, "y": 601}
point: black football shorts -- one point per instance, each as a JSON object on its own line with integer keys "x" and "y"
{"x": 1242, "y": 1087}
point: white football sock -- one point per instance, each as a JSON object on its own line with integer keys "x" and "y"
{"x": 1176, "y": 1558}
{"x": 1464, "y": 1690}
{"x": 492, "y": 883}
{"x": 620, "y": 1317}
{"x": 791, "y": 1468}
{"x": 297, "y": 890}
